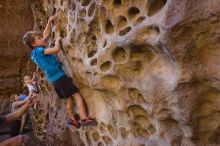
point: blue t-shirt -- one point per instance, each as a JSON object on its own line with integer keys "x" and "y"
{"x": 2, "y": 118}
{"x": 48, "y": 63}
{"x": 22, "y": 97}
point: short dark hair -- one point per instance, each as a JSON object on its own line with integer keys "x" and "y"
{"x": 29, "y": 38}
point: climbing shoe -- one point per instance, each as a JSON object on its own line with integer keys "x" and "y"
{"x": 89, "y": 121}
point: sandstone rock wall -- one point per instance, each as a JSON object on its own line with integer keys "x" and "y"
{"x": 148, "y": 70}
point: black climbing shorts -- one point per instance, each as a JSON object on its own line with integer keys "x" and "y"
{"x": 64, "y": 87}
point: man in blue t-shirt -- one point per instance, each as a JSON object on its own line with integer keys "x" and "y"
{"x": 46, "y": 59}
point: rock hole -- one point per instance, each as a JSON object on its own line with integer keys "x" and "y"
{"x": 112, "y": 131}
{"x": 100, "y": 144}
{"x": 169, "y": 123}
{"x": 124, "y": 31}
{"x": 122, "y": 21}
{"x": 40, "y": 121}
{"x": 82, "y": 13}
{"x": 91, "y": 9}
{"x": 109, "y": 27}
{"x": 103, "y": 12}
{"x": 154, "y": 6}
{"x": 102, "y": 127}
{"x": 88, "y": 75}
{"x": 61, "y": 2}
{"x": 132, "y": 12}
{"x": 134, "y": 69}
{"x": 84, "y": 25}
{"x": 107, "y": 140}
{"x": 123, "y": 132}
{"x": 92, "y": 53}
{"x": 36, "y": 117}
{"x": 94, "y": 26}
{"x": 63, "y": 32}
{"x": 152, "y": 129}
{"x": 79, "y": 63}
{"x": 73, "y": 6}
{"x": 141, "y": 52}
{"x": 117, "y": 3}
{"x": 106, "y": 66}
{"x": 40, "y": 112}
{"x": 94, "y": 62}
{"x": 140, "y": 97}
{"x": 142, "y": 132}
{"x": 133, "y": 93}
{"x": 137, "y": 110}
{"x": 157, "y": 29}
{"x": 95, "y": 73}
{"x": 139, "y": 20}
{"x": 54, "y": 11}
{"x": 109, "y": 81}
{"x": 143, "y": 121}
{"x": 95, "y": 136}
{"x": 94, "y": 38}
{"x": 119, "y": 55}
{"x": 163, "y": 114}
{"x": 84, "y": 2}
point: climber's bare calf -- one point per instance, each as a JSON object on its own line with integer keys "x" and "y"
{"x": 45, "y": 58}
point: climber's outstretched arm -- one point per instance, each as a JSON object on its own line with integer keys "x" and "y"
{"x": 18, "y": 113}
{"x": 47, "y": 30}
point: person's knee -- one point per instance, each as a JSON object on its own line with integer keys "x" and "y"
{"x": 69, "y": 107}
{"x": 77, "y": 96}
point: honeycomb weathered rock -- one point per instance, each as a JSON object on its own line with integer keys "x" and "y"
{"x": 148, "y": 70}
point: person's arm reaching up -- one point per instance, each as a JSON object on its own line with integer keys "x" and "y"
{"x": 47, "y": 30}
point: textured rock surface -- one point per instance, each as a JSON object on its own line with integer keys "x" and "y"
{"x": 16, "y": 18}
{"x": 148, "y": 69}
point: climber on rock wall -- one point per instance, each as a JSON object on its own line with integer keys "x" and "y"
{"x": 46, "y": 59}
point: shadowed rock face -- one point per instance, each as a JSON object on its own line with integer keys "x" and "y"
{"x": 148, "y": 70}
{"x": 16, "y": 18}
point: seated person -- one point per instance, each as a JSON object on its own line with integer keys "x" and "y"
{"x": 21, "y": 139}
